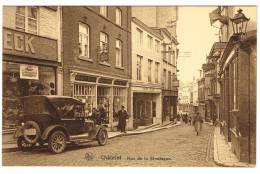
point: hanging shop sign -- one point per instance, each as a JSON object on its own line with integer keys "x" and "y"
{"x": 29, "y": 72}
{"x": 29, "y": 45}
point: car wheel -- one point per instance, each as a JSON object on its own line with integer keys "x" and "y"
{"x": 23, "y": 145}
{"x": 102, "y": 137}
{"x": 57, "y": 142}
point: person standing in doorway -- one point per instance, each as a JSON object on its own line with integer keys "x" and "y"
{"x": 122, "y": 116}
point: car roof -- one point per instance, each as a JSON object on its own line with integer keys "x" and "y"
{"x": 53, "y": 98}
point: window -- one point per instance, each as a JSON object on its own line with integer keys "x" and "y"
{"x": 103, "y": 11}
{"x": 150, "y": 70}
{"x": 26, "y": 19}
{"x": 119, "y": 57}
{"x": 157, "y": 45}
{"x": 118, "y": 17}
{"x": 173, "y": 58}
{"x": 149, "y": 41}
{"x": 83, "y": 40}
{"x": 169, "y": 54}
{"x": 169, "y": 79}
{"x": 156, "y": 71}
{"x": 139, "y": 36}
{"x": 139, "y": 67}
{"x": 164, "y": 78}
{"x": 103, "y": 47}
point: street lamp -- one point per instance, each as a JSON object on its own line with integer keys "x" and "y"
{"x": 239, "y": 23}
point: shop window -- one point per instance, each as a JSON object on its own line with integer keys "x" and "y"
{"x": 118, "y": 17}
{"x": 87, "y": 94}
{"x": 104, "y": 102}
{"x": 119, "y": 57}
{"x": 27, "y": 19}
{"x": 83, "y": 41}
{"x": 103, "y": 11}
{"x": 119, "y": 100}
{"x": 15, "y": 86}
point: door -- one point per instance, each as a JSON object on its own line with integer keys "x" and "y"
{"x": 72, "y": 117}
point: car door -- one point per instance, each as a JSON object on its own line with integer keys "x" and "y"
{"x": 70, "y": 119}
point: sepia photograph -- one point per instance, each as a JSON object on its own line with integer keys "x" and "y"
{"x": 129, "y": 86}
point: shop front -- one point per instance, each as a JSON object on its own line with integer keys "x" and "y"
{"x": 28, "y": 69}
{"x": 169, "y": 112}
{"x": 146, "y": 107}
{"x": 105, "y": 94}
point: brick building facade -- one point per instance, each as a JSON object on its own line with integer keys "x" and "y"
{"x": 96, "y": 57}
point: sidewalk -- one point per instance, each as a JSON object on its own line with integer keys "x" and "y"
{"x": 12, "y": 147}
{"x": 223, "y": 156}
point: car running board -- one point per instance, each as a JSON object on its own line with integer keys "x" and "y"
{"x": 79, "y": 136}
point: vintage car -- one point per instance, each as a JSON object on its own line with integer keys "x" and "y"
{"x": 56, "y": 120}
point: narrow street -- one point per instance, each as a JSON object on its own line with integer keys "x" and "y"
{"x": 176, "y": 146}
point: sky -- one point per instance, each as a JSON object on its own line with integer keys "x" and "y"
{"x": 196, "y": 37}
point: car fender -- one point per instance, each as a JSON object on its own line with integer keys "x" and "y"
{"x": 94, "y": 132}
{"x": 49, "y": 129}
{"x": 18, "y": 132}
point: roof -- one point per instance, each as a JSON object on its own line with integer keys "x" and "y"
{"x": 217, "y": 49}
{"x": 167, "y": 33}
{"x": 147, "y": 28}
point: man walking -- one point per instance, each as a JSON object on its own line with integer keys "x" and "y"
{"x": 122, "y": 116}
{"x": 197, "y": 122}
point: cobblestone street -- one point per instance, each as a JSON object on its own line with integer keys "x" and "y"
{"x": 177, "y": 146}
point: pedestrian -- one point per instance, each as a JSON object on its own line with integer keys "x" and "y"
{"x": 122, "y": 116}
{"x": 214, "y": 118}
{"x": 189, "y": 119}
{"x": 197, "y": 122}
{"x": 102, "y": 114}
{"x": 95, "y": 116}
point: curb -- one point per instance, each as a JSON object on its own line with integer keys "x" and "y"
{"x": 14, "y": 149}
{"x": 226, "y": 164}
{"x": 146, "y": 131}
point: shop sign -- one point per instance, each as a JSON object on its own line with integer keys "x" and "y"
{"x": 29, "y": 72}
{"x": 85, "y": 78}
{"x": 120, "y": 82}
{"x": 29, "y": 45}
{"x": 105, "y": 81}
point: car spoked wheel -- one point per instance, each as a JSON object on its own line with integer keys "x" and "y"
{"x": 57, "y": 142}
{"x": 23, "y": 145}
{"x": 102, "y": 137}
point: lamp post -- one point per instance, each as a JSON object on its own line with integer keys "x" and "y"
{"x": 239, "y": 24}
